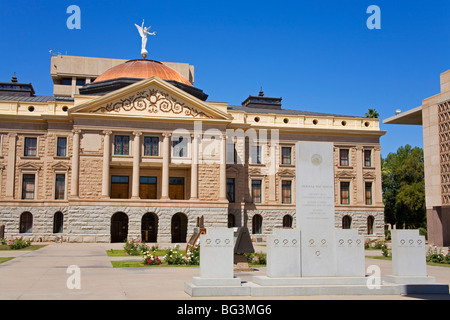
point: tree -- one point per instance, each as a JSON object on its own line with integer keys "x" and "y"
{"x": 404, "y": 188}
{"x": 372, "y": 113}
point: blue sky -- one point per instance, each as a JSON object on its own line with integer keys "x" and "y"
{"x": 316, "y": 55}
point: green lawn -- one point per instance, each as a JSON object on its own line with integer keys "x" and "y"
{"x": 5, "y": 259}
{"x": 445, "y": 265}
{"x": 139, "y": 264}
{"x": 29, "y": 248}
{"x": 122, "y": 253}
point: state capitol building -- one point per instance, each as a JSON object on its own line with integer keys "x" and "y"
{"x": 133, "y": 150}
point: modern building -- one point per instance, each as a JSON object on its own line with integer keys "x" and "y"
{"x": 434, "y": 116}
{"x": 136, "y": 151}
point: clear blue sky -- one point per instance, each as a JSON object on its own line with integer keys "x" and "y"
{"x": 316, "y": 55}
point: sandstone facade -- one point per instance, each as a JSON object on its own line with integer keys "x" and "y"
{"x": 121, "y": 154}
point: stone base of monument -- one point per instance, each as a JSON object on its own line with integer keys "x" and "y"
{"x": 418, "y": 284}
{"x": 310, "y": 286}
{"x": 241, "y": 263}
{"x": 216, "y": 287}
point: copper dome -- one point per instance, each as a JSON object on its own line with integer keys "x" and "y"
{"x": 142, "y": 69}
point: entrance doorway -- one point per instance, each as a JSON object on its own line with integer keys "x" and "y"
{"x": 119, "y": 227}
{"x": 149, "y": 227}
{"x": 179, "y": 227}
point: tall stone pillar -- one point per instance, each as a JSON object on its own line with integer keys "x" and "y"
{"x": 223, "y": 170}
{"x": 75, "y": 163}
{"x": 165, "y": 167}
{"x": 106, "y": 159}
{"x": 194, "y": 168}
{"x": 377, "y": 187}
{"x": 136, "y": 164}
{"x": 11, "y": 166}
{"x": 360, "y": 187}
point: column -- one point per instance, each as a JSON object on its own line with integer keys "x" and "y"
{"x": 194, "y": 168}
{"x": 223, "y": 170}
{"x": 11, "y": 166}
{"x": 360, "y": 187}
{"x": 377, "y": 191}
{"x": 165, "y": 167}
{"x": 106, "y": 159}
{"x": 75, "y": 163}
{"x": 136, "y": 164}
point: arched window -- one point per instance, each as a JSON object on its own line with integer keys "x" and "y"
{"x": 346, "y": 222}
{"x": 287, "y": 221}
{"x": 257, "y": 224}
{"x": 26, "y": 222}
{"x": 370, "y": 222}
{"x": 58, "y": 221}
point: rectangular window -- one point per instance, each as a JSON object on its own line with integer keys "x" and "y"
{"x": 147, "y": 187}
{"x": 179, "y": 147}
{"x": 230, "y": 190}
{"x": 61, "y": 147}
{"x": 367, "y": 158}
{"x": 60, "y": 186}
{"x": 368, "y": 193}
{"x": 176, "y": 188}
{"x": 286, "y": 191}
{"x": 343, "y": 157}
{"x": 231, "y": 153}
{"x": 151, "y": 146}
{"x": 345, "y": 192}
{"x": 286, "y": 155}
{"x": 30, "y": 149}
{"x": 121, "y": 145}
{"x": 66, "y": 81}
{"x": 28, "y": 186}
{"x": 256, "y": 191}
{"x": 256, "y": 155}
{"x": 80, "y": 82}
{"x": 119, "y": 187}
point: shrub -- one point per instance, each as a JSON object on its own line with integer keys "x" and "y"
{"x": 385, "y": 251}
{"x": 18, "y": 243}
{"x": 433, "y": 255}
{"x": 150, "y": 259}
{"x": 174, "y": 256}
{"x": 135, "y": 247}
{"x": 256, "y": 258}
{"x": 192, "y": 256}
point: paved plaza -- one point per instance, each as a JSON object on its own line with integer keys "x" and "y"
{"x": 42, "y": 275}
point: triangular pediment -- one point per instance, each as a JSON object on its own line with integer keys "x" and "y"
{"x": 151, "y": 98}
{"x": 29, "y": 166}
{"x": 60, "y": 166}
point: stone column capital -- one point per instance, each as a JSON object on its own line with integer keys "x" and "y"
{"x": 107, "y": 132}
{"x": 166, "y": 134}
{"x": 137, "y": 133}
{"x": 76, "y": 131}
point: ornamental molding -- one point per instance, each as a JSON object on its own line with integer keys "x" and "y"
{"x": 151, "y": 101}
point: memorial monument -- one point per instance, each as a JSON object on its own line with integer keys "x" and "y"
{"x": 316, "y": 258}
{"x": 216, "y": 266}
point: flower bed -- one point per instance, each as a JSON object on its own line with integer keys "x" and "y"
{"x": 18, "y": 243}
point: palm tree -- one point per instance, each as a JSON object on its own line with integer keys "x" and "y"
{"x": 372, "y": 114}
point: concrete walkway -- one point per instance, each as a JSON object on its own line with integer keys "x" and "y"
{"x": 42, "y": 275}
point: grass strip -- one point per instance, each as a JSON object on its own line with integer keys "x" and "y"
{"x": 5, "y": 259}
{"x": 29, "y": 248}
